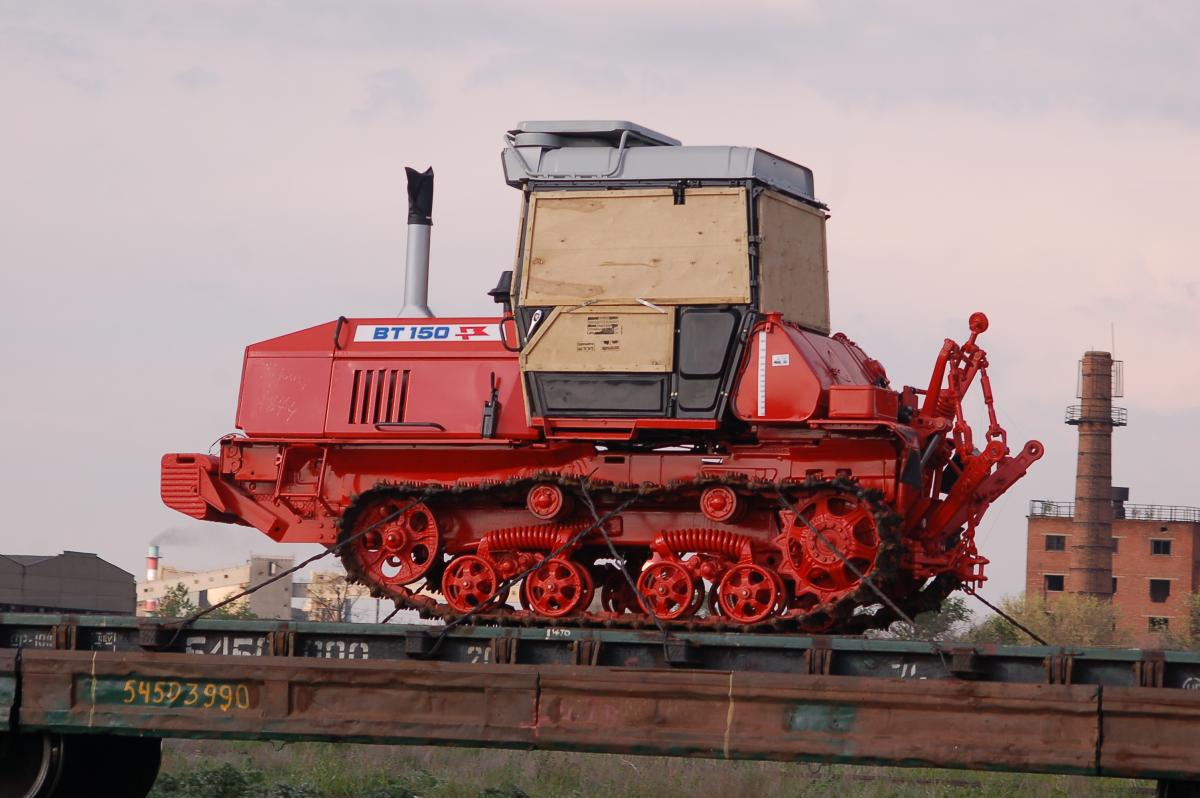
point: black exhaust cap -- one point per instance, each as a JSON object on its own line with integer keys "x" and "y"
{"x": 420, "y": 196}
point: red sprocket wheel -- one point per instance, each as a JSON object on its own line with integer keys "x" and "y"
{"x": 558, "y": 588}
{"x": 667, "y": 590}
{"x": 399, "y": 551}
{"x": 748, "y": 593}
{"x": 823, "y": 565}
{"x": 469, "y": 582}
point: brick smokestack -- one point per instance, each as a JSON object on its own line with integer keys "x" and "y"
{"x": 1091, "y": 549}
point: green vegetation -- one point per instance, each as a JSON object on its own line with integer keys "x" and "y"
{"x": 1068, "y": 620}
{"x": 1186, "y": 635}
{"x": 194, "y": 769}
{"x": 176, "y": 603}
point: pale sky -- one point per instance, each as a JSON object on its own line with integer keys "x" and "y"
{"x": 178, "y": 180}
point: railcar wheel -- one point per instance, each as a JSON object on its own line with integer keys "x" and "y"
{"x": 30, "y": 764}
{"x": 69, "y": 765}
{"x": 667, "y": 590}
{"x": 469, "y": 582}
{"x": 748, "y": 593}
{"x": 90, "y": 758}
{"x": 558, "y": 588}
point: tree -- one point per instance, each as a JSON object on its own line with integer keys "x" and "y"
{"x": 1067, "y": 620}
{"x": 237, "y": 611}
{"x": 331, "y": 597}
{"x": 949, "y": 622}
{"x": 1187, "y": 634}
{"x": 177, "y": 603}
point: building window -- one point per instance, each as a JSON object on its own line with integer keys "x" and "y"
{"x": 1054, "y": 583}
{"x": 1116, "y": 545}
{"x": 1160, "y": 589}
{"x": 1114, "y": 585}
{"x": 1160, "y": 547}
{"x": 1056, "y": 542}
{"x": 1159, "y": 624}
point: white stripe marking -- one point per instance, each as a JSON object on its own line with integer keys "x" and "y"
{"x": 762, "y": 373}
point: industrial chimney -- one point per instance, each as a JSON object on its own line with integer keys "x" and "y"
{"x": 416, "y": 261}
{"x": 151, "y": 576}
{"x": 1100, "y": 379}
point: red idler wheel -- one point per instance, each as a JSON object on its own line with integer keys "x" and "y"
{"x": 748, "y": 593}
{"x": 398, "y": 551}
{"x": 823, "y": 566}
{"x": 547, "y": 501}
{"x": 469, "y": 582}
{"x": 667, "y": 590}
{"x": 558, "y": 588}
{"x": 719, "y": 503}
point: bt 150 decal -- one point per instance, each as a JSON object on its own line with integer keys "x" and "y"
{"x": 427, "y": 332}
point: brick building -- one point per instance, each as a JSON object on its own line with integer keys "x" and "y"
{"x": 1155, "y": 563}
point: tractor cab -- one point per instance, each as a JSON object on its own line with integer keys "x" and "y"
{"x": 641, "y": 266}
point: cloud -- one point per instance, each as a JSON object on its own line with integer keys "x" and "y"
{"x": 196, "y": 79}
{"x": 392, "y": 91}
{"x": 1034, "y": 162}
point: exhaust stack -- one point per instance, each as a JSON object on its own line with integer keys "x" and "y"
{"x": 416, "y": 261}
{"x": 152, "y": 564}
{"x": 152, "y": 576}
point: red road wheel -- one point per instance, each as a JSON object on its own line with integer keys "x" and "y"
{"x": 747, "y": 593}
{"x": 824, "y": 566}
{"x": 558, "y": 588}
{"x": 616, "y": 594}
{"x": 398, "y": 551}
{"x": 547, "y": 501}
{"x": 469, "y": 582}
{"x": 589, "y": 586}
{"x": 667, "y": 590}
{"x": 718, "y": 503}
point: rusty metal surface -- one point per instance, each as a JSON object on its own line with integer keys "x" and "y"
{"x": 824, "y": 718}
{"x": 1151, "y": 730}
{"x": 68, "y": 691}
{"x": 1086, "y": 729}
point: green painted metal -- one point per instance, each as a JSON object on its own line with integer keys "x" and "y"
{"x": 8, "y": 689}
{"x": 830, "y": 718}
{"x": 724, "y": 639}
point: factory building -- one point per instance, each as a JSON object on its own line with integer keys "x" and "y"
{"x": 72, "y": 582}
{"x": 206, "y": 588}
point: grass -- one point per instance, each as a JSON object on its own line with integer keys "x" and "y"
{"x": 203, "y": 769}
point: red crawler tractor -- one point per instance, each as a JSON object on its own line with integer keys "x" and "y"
{"x": 658, "y": 424}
